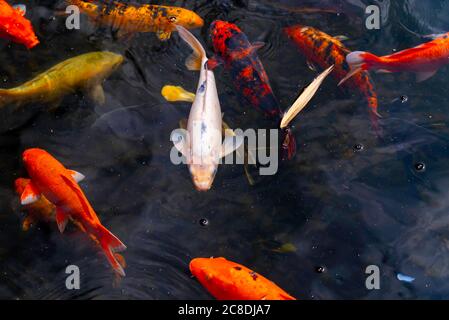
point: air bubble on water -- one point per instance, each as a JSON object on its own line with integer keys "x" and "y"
{"x": 420, "y": 166}
{"x": 358, "y": 147}
{"x": 320, "y": 269}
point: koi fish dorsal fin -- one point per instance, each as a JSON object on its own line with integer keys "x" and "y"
{"x": 77, "y": 190}
{"x": 30, "y": 194}
{"x": 194, "y": 61}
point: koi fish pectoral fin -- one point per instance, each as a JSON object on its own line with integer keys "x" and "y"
{"x": 183, "y": 123}
{"x": 76, "y": 175}
{"x": 180, "y": 140}
{"x": 230, "y": 144}
{"x": 354, "y": 70}
{"x": 423, "y": 76}
{"x": 96, "y": 93}
{"x": 214, "y": 62}
{"x": 163, "y": 35}
{"x": 30, "y": 194}
{"x": 61, "y": 219}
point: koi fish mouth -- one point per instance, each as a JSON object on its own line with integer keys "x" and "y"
{"x": 203, "y": 176}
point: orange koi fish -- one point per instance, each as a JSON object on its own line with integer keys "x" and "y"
{"x": 227, "y": 280}
{"x": 129, "y": 19}
{"x": 323, "y": 50}
{"x": 424, "y": 60}
{"x": 51, "y": 180}
{"x": 14, "y": 27}
{"x": 44, "y": 210}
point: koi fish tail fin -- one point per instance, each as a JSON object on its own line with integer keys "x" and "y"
{"x": 111, "y": 244}
{"x": 359, "y": 61}
{"x": 288, "y": 147}
{"x": 195, "y": 60}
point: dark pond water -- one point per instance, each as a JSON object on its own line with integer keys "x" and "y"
{"x": 340, "y": 208}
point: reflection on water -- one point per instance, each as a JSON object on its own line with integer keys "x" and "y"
{"x": 348, "y": 199}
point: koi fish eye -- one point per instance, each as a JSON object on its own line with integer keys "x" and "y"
{"x": 172, "y": 19}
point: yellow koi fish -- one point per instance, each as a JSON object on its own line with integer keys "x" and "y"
{"x": 129, "y": 19}
{"x": 85, "y": 72}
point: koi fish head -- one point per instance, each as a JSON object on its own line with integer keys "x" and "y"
{"x": 183, "y": 17}
{"x": 211, "y": 272}
{"x": 32, "y": 157}
{"x": 296, "y": 31}
{"x": 224, "y": 279}
{"x": 220, "y": 33}
{"x": 203, "y": 175}
{"x": 104, "y": 62}
{"x": 205, "y": 268}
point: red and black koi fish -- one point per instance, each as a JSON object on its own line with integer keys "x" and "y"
{"x": 323, "y": 50}
{"x": 239, "y": 56}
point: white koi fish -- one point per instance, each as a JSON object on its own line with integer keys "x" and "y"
{"x": 202, "y": 144}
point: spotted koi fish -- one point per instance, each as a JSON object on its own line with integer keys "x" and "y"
{"x": 227, "y": 280}
{"x": 129, "y": 19}
{"x": 251, "y": 82}
{"x": 323, "y": 50}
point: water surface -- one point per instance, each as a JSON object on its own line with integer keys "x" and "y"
{"x": 341, "y": 208}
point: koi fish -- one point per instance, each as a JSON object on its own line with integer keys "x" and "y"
{"x": 85, "y": 72}
{"x": 227, "y": 280}
{"x": 323, "y": 50}
{"x": 129, "y": 19}
{"x": 44, "y": 210}
{"x": 425, "y": 60}
{"x": 201, "y": 143}
{"x": 50, "y": 179}
{"x": 15, "y": 27}
{"x": 250, "y": 79}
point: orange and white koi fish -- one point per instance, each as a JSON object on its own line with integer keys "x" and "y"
{"x": 45, "y": 211}
{"x": 15, "y": 27}
{"x": 129, "y": 19}
{"x": 227, "y": 280}
{"x": 50, "y": 179}
{"x": 424, "y": 60}
{"x": 202, "y": 144}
